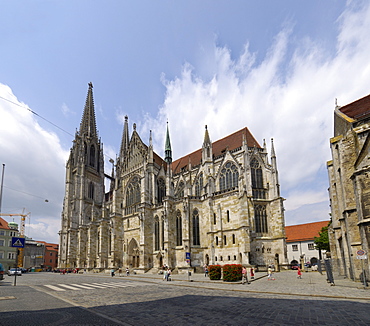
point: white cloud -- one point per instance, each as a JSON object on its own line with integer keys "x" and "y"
{"x": 34, "y": 166}
{"x": 66, "y": 110}
{"x": 289, "y": 97}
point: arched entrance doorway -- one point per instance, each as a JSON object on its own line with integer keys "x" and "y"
{"x": 159, "y": 260}
{"x": 207, "y": 260}
{"x": 133, "y": 254}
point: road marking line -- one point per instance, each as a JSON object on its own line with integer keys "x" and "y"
{"x": 95, "y": 286}
{"x": 68, "y": 287}
{"x": 110, "y": 285}
{"x": 54, "y": 288}
{"x": 82, "y": 286}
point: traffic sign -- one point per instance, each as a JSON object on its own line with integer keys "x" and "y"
{"x": 361, "y": 254}
{"x": 18, "y": 242}
{"x": 187, "y": 255}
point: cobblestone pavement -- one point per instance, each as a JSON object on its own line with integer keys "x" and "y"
{"x": 148, "y": 300}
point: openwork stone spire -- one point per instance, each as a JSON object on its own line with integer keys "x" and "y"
{"x": 88, "y": 122}
{"x": 167, "y": 149}
{"x": 125, "y": 138}
{"x": 207, "y": 140}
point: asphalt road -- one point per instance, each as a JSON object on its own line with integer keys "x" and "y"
{"x": 96, "y": 299}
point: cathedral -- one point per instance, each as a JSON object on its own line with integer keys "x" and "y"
{"x": 218, "y": 205}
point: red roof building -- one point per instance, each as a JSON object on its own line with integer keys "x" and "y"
{"x": 50, "y": 255}
{"x": 300, "y": 241}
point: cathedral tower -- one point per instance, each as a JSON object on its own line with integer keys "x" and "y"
{"x": 84, "y": 194}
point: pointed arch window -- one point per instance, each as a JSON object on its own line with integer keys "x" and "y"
{"x": 229, "y": 176}
{"x": 132, "y": 196}
{"x": 196, "y": 234}
{"x": 161, "y": 190}
{"x": 257, "y": 180}
{"x": 90, "y": 193}
{"x": 199, "y": 185}
{"x": 92, "y": 156}
{"x": 162, "y": 233}
{"x": 180, "y": 190}
{"x": 178, "y": 229}
{"x": 260, "y": 219}
{"x": 156, "y": 234}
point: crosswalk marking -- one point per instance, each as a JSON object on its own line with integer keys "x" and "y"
{"x": 95, "y": 286}
{"x": 55, "y": 288}
{"x": 81, "y": 286}
{"x": 92, "y": 286}
{"x": 68, "y": 286}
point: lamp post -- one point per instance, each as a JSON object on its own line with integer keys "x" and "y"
{"x": 1, "y": 188}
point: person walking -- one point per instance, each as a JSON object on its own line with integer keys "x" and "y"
{"x": 299, "y": 272}
{"x": 127, "y": 272}
{"x": 252, "y": 273}
{"x": 245, "y": 276}
{"x": 205, "y": 270}
{"x": 112, "y": 272}
{"x": 269, "y": 272}
{"x": 169, "y": 274}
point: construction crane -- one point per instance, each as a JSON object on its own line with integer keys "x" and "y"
{"x": 21, "y": 233}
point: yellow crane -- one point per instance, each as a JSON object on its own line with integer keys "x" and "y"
{"x": 22, "y": 230}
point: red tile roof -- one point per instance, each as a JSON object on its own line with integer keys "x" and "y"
{"x": 357, "y": 109}
{"x": 230, "y": 143}
{"x": 304, "y": 232}
{"x": 50, "y": 246}
{"x": 4, "y": 224}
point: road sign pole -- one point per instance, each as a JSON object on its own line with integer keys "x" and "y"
{"x": 16, "y": 269}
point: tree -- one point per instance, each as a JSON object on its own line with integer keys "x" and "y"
{"x": 322, "y": 241}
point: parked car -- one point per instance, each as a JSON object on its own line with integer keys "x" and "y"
{"x": 295, "y": 267}
{"x": 1, "y": 272}
{"x": 14, "y": 271}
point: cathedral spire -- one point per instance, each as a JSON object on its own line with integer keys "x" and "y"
{"x": 167, "y": 149}
{"x": 207, "y": 140}
{"x": 88, "y": 122}
{"x": 273, "y": 155}
{"x": 125, "y": 138}
{"x": 207, "y": 147}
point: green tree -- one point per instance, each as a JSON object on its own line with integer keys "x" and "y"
{"x": 322, "y": 241}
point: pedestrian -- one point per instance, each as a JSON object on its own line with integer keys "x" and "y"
{"x": 245, "y": 276}
{"x": 299, "y": 272}
{"x": 169, "y": 275}
{"x": 252, "y": 273}
{"x": 269, "y": 272}
{"x": 127, "y": 272}
{"x": 112, "y": 272}
{"x": 205, "y": 270}
{"x": 165, "y": 273}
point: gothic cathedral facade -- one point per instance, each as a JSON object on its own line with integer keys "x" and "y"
{"x": 218, "y": 205}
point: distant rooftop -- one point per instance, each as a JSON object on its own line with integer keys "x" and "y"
{"x": 304, "y": 232}
{"x": 357, "y": 109}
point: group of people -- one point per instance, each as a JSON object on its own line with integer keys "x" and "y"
{"x": 167, "y": 274}
{"x": 245, "y": 275}
{"x": 113, "y": 272}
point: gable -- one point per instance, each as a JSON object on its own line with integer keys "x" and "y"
{"x": 219, "y": 147}
{"x": 137, "y": 151}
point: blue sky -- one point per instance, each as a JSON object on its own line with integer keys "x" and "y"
{"x": 275, "y": 67}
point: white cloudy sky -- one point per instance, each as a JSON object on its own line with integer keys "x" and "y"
{"x": 275, "y": 67}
